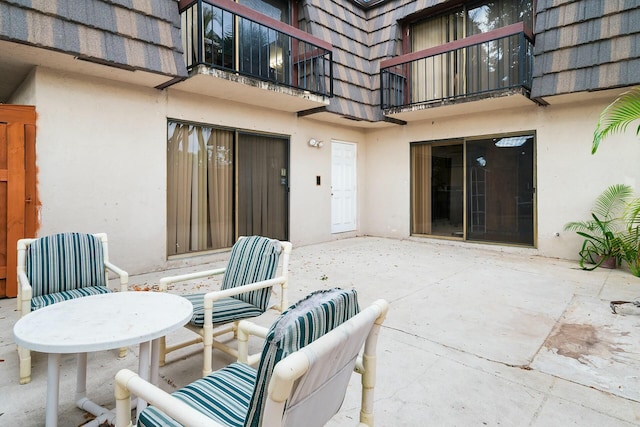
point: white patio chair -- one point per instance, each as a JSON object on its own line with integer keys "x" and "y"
{"x": 306, "y": 364}
{"x": 245, "y": 293}
{"x": 60, "y": 267}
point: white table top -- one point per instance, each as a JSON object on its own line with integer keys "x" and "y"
{"x": 102, "y": 322}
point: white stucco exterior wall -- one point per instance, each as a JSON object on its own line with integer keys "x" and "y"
{"x": 569, "y": 178}
{"x": 101, "y": 159}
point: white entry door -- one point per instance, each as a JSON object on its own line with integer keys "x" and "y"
{"x": 343, "y": 187}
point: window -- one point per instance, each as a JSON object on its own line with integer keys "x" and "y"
{"x": 276, "y": 9}
{"x": 199, "y": 188}
{"x": 224, "y": 183}
{"x": 264, "y": 52}
{"x": 474, "y": 189}
{"x": 491, "y": 65}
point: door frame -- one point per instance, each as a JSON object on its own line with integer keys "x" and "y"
{"x": 19, "y": 174}
{"x": 354, "y": 176}
{"x": 285, "y": 175}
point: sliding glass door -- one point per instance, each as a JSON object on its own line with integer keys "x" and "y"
{"x": 437, "y": 188}
{"x": 475, "y": 189}
{"x": 263, "y": 183}
{"x": 222, "y": 184}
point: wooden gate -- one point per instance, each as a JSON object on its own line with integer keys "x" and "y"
{"x": 18, "y": 201}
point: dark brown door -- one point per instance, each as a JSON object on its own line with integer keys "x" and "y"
{"x": 17, "y": 188}
{"x": 263, "y": 186}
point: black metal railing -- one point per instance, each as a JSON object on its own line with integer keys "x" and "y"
{"x": 232, "y": 37}
{"x": 483, "y": 63}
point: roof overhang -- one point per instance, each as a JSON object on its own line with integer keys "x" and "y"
{"x": 234, "y": 87}
{"x": 19, "y": 59}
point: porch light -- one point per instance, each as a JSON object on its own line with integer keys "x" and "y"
{"x": 315, "y": 143}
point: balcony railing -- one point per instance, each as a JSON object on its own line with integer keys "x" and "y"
{"x": 225, "y": 35}
{"x": 480, "y": 64}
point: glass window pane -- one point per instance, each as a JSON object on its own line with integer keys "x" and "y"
{"x": 420, "y": 189}
{"x": 437, "y": 189}
{"x": 276, "y": 9}
{"x": 500, "y": 189}
{"x": 446, "y": 190}
{"x": 199, "y": 188}
{"x": 494, "y": 14}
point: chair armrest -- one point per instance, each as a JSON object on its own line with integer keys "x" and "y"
{"x": 124, "y": 276}
{"x": 189, "y": 276}
{"x": 24, "y": 293}
{"x": 251, "y": 329}
{"x": 210, "y": 297}
{"x": 245, "y": 330}
{"x": 127, "y": 382}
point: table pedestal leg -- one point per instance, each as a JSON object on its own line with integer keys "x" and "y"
{"x": 82, "y": 401}
{"x": 143, "y": 371}
{"x": 53, "y": 388}
{"x": 81, "y": 376}
{"x": 155, "y": 361}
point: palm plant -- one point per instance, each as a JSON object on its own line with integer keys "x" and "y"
{"x": 601, "y": 233}
{"x": 630, "y": 240}
{"x": 617, "y": 116}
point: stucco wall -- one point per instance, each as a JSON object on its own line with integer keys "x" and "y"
{"x": 568, "y": 176}
{"x": 101, "y": 158}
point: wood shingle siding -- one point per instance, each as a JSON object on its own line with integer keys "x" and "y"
{"x": 141, "y": 34}
{"x": 345, "y": 26}
{"x": 585, "y": 45}
{"x": 580, "y": 45}
{"x": 361, "y": 39}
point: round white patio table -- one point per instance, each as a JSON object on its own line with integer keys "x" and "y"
{"x": 96, "y": 323}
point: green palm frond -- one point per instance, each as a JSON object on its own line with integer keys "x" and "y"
{"x": 579, "y": 226}
{"x": 632, "y": 213}
{"x": 617, "y": 116}
{"x": 612, "y": 200}
{"x": 607, "y": 212}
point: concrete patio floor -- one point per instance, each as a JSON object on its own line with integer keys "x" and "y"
{"x": 475, "y": 336}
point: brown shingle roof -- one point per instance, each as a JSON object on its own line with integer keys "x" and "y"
{"x": 143, "y": 34}
{"x": 586, "y": 45}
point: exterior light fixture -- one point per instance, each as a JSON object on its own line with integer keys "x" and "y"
{"x": 315, "y": 143}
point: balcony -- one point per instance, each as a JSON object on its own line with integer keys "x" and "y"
{"x": 482, "y": 66}
{"x": 250, "y": 51}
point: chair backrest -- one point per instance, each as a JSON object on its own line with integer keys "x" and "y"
{"x": 301, "y": 324}
{"x": 325, "y": 368}
{"x": 253, "y": 259}
{"x": 63, "y": 262}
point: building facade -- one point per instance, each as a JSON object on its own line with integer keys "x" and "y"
{"x": 177, "y": 126}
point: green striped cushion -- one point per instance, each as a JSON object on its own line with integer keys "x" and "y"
{"x": 45, "y": 300}
{"x": 225, "y": 310}
{"x": 301, "y": 324}
{"x": 62, "y": 262}
{"x": 222, "y": 395}
{"x": 253, "y": 259}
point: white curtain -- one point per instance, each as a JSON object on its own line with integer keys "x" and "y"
{"x": 199, "y": 188}
{"x": 439, "y": 76}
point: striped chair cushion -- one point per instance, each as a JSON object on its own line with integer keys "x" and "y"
{"x": 222, "y": 395}
{"x": 301, "y": 324}
{"x": 225, "y": 310}
{"x": 253, "y": 259}
{"x": 63, "y": 262}
{"x": 45, "y": 300}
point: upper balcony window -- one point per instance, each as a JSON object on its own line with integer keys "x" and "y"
{"x": 471, "y": 50}
{"x": 253, "y": 38}
{"x": 276, "y": 9}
